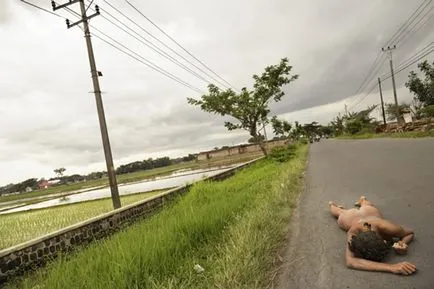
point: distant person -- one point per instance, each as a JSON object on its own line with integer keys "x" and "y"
{"x": 370, "y": 237}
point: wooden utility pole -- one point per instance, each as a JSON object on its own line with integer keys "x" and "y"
{"x": 382, "y": 103}
{"x": 389, "y": 49}
{"x": 99, "y": 105}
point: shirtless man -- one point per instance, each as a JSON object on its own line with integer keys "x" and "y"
{"x": 369, "y": 237}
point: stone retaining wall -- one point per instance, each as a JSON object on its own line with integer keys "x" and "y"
{"x": 36, "y": 253}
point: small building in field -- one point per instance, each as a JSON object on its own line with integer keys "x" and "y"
{"x": 239, "y": 149}
{"x": 44, "y": 184}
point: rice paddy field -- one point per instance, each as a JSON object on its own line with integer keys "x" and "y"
{"x": 219, "y": 235}
{"x": 132, "y": 177}
{"x": 19, "y": 227}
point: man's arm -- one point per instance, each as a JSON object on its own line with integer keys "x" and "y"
{"x": 406, "y": 235}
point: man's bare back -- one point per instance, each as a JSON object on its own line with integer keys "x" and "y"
{"x": 365, "y": 226}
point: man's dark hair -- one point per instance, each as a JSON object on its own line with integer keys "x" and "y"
{"x": 368, "y": 245}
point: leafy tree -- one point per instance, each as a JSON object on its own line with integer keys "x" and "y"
{"x": 325, "y": 130}
{"x": 298, "y": 131}
{"x": 337, "y": 125}
{"x": 59, "y": 172}
{"x": 249, "y": 107}
{"x": 280, "y": 127}
{"x": 356, "y": 122}
{"x": 427, "y": 111}
{"x": 423, "y": 89}
{"x": 311, "y": 129}
{"x": 190, "y": 157}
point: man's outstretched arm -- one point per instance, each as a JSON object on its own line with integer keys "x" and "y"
{"x": 404, "y": 268}
{"x": 406, "y": 235}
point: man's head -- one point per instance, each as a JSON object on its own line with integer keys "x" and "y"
{"x": 367, "y": 244}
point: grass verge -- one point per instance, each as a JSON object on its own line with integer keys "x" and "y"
{"x": 232, "y": 228}
{"x": 19, "y": 227}
{"x": 406, "y": 134}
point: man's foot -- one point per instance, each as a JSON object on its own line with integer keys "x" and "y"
{"x": 333, "y": 203}
{"x": 359, "y": 202}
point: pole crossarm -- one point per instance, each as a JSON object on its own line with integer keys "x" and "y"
{"x": 56, "y": 7}
{"x": 82, "y": 20}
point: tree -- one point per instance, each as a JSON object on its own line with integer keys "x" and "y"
{"x": 59, "y": 172}
{"x": 280, "y": 127}
{"x": 311, "y": 129}
{"x": 249, "y": 107}
{"x": 298, "y": 131}
{"x": 423, "y": 89}
{"x": 337, "y": 125}
{"x": 356, "y": 122}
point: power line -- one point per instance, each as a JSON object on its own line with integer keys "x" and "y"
{"x": 414, "y": 56}
{"x": 152, "y": 46}
{"x": 404, "y": 37}
{"x": 158, "y": 40}
{"x": 414, "y": 31}
{"x": 43, "y": 9}
{"x": 401, "y": 29}
{"x": 145, "y": 61}
{"x": 138, "y": 57}
{"x": 363, "y": 98}
{"x": 179, "y": 45}
{"x": 379, "y": 56}
{"x": 426, "y": 53}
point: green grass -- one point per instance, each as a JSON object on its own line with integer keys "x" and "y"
{"x": 232, "y": 228}
{"x": 133, "y": 177}
{"x": 19, "y": 227}
{"x": 406, "y": 134}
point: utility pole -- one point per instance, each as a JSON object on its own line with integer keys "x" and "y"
{"x": 389, "y": 49}
{"x": 382, "y": 103}
{"x": 99, "y": 105}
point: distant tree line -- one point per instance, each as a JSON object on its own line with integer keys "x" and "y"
{"x": 19, "y": 187}
{"x": 148, "y": 164}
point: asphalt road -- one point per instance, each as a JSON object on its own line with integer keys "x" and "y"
{"x": 398, "y": 176}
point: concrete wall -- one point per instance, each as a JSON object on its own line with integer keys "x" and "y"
{"x": 250, "y": 148}
{"x": 36, "y": 253}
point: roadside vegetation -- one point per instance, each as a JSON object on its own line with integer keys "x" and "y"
{"x": 405, "y": 134}
{"x": 16, "y": 228}
{"x": 232, "y": 229}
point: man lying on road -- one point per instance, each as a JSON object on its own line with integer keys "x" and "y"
{"x": 369, "y": 237}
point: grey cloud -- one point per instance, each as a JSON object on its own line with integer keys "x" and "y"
{"x": 49, "y": 116}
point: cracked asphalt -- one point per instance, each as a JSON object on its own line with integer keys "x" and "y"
{"x": 398, "y": 176}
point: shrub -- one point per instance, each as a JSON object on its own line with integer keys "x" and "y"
{"x": 283, "y": 154}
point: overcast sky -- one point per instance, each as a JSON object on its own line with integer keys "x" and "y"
{"x": 48, "y": 114}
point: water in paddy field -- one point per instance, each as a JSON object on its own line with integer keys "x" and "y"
{"x": 175, "y": 179}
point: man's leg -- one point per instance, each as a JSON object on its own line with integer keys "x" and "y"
{"x": 335, "y": 209}
{"x": 367, "y": 208}
{"x": 362, "y": 202}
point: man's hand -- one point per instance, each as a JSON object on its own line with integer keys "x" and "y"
{"x": 404, "y": 268}
{"x": 400, "y": 247}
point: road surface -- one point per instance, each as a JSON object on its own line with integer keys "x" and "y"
{"x": 398, "y": 176}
